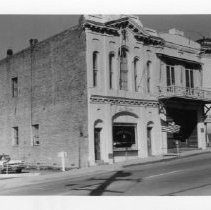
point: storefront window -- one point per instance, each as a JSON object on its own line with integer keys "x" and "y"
{"x": 123, "y": 135}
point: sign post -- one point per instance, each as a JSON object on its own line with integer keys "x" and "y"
{"x": 177, "y": 146}
{"x": 62, "y": 155}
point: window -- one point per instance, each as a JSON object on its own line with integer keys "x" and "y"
{"x": 170, "y": 75}
{"x": 136, "y": 74}
{"x": 189, "y": 78}
{"x": 15, "y": 136}
{"x": 95, "y": 68}
{"x": 111, "y": 70}
{"x": 148, "y": 76}
{"x": 35, "y": 130}
{"x": 14, "y": 87}
{"x": 123, "y": 83}
{"x": 124, "y": 135}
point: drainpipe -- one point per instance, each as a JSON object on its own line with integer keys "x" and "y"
{"x": 32, "y": 43}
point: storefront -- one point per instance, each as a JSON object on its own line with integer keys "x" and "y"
{"x": 125, "y": 139}
{"x": 184, "y": 124}
{"x": 184, "y": 129}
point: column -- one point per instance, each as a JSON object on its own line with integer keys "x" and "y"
{"x": 164, "y": 139}
{"x": 159, "y": 140}
{"x": 201, "y": 134}
{"x": 91, "y": 142}
{"x": 142, "y": 134}
{"x": 108, "y": 135}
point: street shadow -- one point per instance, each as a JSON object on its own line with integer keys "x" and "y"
{"x": 102, "y": 187}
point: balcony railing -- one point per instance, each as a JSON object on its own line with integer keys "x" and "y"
{"x": 184, "y": 92}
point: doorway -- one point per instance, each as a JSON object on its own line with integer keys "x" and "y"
{"x": 149, "y": 140}
{"x": 187, "y": 134}
{"x": 97, "y": 132}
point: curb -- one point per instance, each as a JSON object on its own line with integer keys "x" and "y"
{"x": 167, "y": 159}
{"x": 18, "y": 175}
{"x": 15, "y": 183}
{"x": 98, "y": 169}
{"x": 117, "y": 166}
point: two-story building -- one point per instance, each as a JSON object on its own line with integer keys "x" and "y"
{"x": 104, "y": 91}
{"x": 145, "y": 90}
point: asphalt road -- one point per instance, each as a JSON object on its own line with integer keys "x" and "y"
{"x": 187, "y": 176}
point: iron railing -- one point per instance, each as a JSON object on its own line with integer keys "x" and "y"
{"x": 178, "y": 91}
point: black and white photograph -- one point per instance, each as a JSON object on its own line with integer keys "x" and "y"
{"x": 112, "y": 104}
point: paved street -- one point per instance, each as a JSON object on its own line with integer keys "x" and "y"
{"x": 186, "y": 176}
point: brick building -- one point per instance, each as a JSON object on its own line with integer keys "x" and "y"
{"x": 104, "y": 91}
{"x": 44, "y": 101}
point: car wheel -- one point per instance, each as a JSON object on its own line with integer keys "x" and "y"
{"x": 18, "y": 170}
{"x": 1, "y": 170}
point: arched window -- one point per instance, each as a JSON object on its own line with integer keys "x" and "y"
{"x": 111, "y": 70}
{"x": 123, "y": 83}
{"x": 136, "y": 62}
{"x": 148, "y": 76}
{"x": 95, "y": 68}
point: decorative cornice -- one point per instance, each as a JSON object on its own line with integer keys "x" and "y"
{"x": 113, "y": 27}
{"x": 97, "y": 99}
{"x": 100, "y": 28}
{"x": 149, "y": 40}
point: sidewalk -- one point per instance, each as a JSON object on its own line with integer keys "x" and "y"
{"x": 94, "y": 170}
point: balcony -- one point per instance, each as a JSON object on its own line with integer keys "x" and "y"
{"x": 173, "y": 91}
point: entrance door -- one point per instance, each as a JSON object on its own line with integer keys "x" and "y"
{"x": 170, "y": 76}
{"x": 97, "y": 143}
{"x": 189, "y": 81}
{"x": 149, "y": 138}
{"x": 189, "y": 78}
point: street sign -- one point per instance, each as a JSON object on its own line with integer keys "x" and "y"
{"x": 62, "y": 154}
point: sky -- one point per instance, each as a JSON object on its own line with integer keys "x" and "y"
{"x": 16, "y": 30}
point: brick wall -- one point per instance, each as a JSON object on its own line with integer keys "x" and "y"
{"x": 52, "y": 93}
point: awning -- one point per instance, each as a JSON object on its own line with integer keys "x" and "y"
{"x": 185, "y": 99}
{"x": 183, "y": 60}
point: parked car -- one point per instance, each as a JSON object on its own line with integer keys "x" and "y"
{"x": 8, "y": 165}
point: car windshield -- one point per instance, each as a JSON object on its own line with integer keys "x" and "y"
{"x": 4, "y": 157}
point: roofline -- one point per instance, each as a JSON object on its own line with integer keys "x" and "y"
{"x": 72, "y": 28}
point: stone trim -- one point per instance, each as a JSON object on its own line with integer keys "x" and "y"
{"x": 96, "y": 99}
{"x": 101, "y": 29}
{"x": 139, "y": 34}
{"x": 150, "y": 40}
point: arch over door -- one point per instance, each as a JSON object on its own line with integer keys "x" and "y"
{"x": 125, "y": 133}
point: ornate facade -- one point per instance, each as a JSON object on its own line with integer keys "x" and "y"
{"x": 145, "y": 90}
